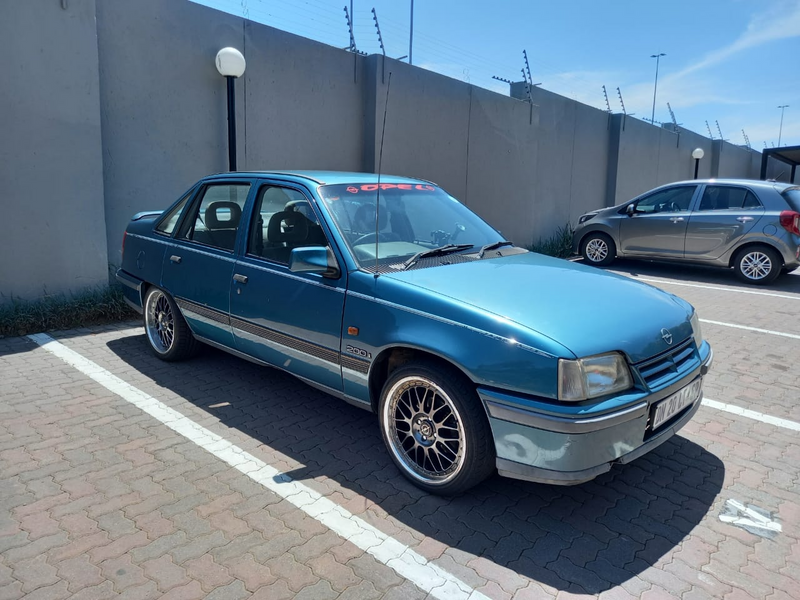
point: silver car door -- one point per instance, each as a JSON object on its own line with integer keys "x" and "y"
{"x": 724, "y": 214}
{"x": 658, "y": 225}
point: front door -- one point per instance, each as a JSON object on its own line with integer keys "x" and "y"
{"x": 658, "y": 226}
{"x": 290, "y": 320}
{"x": 725, "y": 213}
{"x": 198, "y": 266}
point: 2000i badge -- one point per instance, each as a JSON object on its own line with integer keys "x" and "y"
{"x": 286, "y": 268}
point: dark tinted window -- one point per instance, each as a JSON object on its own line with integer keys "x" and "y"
{"x": 675, "y": 199}
{"x": 284, "y": 220}
{"x": 792, "y": 196}
{"x": 215, "y": 219}
{"x": 723, "y": 197}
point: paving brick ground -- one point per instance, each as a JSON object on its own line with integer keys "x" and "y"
{"x": 99, "y": 500}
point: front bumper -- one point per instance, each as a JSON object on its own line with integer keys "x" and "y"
{"x": 566, "y": 451}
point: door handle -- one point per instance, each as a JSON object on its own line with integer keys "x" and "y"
{"x": 744, "y": 219}
{"x": 240, "y": 278}
{"x": 676, "y": 219}
{"x": 175, "y": 259}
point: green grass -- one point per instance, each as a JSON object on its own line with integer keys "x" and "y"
{"x": 558, "y": 245}
{"x": 91, "y": 307}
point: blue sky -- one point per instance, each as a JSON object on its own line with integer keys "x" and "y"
{"x": 732, "y": 61}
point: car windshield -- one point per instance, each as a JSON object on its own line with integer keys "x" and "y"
{"x": 412, "y": 218}
{"x": 792, "y": 196}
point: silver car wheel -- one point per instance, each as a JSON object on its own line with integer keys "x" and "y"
{"x": 596, "y": 250}
{"x": 425, "y": 430}
{"x": 159, "y": 322}
{"x": 756, "y": 265}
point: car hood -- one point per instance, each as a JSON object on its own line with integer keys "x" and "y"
{"x": 586, "y": 310}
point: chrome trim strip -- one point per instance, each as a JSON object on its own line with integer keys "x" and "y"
{"x": 203, "y": 311}
{"x": 529, "y": 418}
{"x": 287, "y": 341}
{"x": 358, "y": 365}
{"x": 451, "y": 322}
{"x": 129, "y": 280}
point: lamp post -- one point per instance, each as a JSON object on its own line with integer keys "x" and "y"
{"x": 697, "y": 154}
{"x": 230, "y": 64}
{"x": 655, "y": 86}
{"x": 780, "y": 131}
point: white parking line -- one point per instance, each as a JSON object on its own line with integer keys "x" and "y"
{"x": 405, "y": 561}
{"x": 711, "y": 287}
{"x": 752, "y": 414}
{"x": 748, "y": 328}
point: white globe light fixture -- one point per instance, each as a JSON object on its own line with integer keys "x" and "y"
{"x": 697, "y": 154}
{"x": 231, "y": 64}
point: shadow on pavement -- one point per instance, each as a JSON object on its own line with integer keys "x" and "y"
{"x": 582, "y": 539}
{"x": 699, "y": 274}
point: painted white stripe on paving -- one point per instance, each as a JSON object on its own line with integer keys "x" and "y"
{"x": 748, "y": 328}
{"x": 401, "y": 558}
{"x": 711, "y": 287}
{"x": 752, "y": 414}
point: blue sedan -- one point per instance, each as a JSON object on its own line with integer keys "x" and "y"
{"x": 476, "y": 355}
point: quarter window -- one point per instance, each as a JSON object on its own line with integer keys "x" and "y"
{"x": 283, "y": 220}
{"x": 215, "y": 220}
{"x": 723, "y": 197}
{"x": 167, "y": 226}
{"x": 675, "y": 199}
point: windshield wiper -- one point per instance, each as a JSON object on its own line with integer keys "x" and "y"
{"x": 494, "y": 246}
{"x": 440, "y": 251}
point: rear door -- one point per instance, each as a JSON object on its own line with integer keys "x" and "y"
{"x": 722, "y": 216}
{"x": 290, "y": 320}
{"x": 658, "y": 227}
{"x": 198, "y": 266}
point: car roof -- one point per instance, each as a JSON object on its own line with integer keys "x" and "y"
{"x": 779, "y": 185}
{"x": 323, "y": 177}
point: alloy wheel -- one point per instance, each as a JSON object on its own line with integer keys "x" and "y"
{"x": 596, "y": 250}
{"x": 160, "y": 322}
{"x": 756, "y": 265}
{"x": 425, "y": 430}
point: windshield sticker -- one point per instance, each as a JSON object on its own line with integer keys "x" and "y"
{"x": 371, "y": 187}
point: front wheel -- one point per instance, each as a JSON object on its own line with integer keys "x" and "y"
{"x": 435, "y": 428}
{"x": 758, "y": 265}
{"x": 168, "y": 335}
{"x": 598, "y": 249}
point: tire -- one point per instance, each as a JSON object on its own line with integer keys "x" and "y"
{"x": 758, "y": 265}
{"x": 598, "y": 249}
{"x": 414, "y": 427}
{"x": 168, "y": 335}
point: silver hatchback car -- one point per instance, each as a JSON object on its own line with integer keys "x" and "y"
{"x": 751, "y": 226}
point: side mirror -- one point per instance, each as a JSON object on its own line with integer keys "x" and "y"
{"x": 314, "y": 259}
{"x": 631, "y": 209}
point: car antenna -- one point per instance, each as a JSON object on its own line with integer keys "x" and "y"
{"x": 380, "y": 164}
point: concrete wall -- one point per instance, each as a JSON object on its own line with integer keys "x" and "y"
{"x": 51, "y": 177}
{"x": 118, "y": 106}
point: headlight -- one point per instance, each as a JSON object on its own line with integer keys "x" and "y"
{"x": 592, "y": 377}
{"x": 585, "y": 218}
{"x": 698, "y": 336}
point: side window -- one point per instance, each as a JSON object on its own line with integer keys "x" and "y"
{"x": 283, "y": 220}
{"x": 722, "y": 197}
{"x": 167, "y": 226}
{"x": 215, "y": 219}
{"x": 675, "y": 199}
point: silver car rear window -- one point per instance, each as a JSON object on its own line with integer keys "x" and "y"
{"x": 792, "y": 196}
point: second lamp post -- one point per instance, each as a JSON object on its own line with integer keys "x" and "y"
{"x": 230, "y": 64}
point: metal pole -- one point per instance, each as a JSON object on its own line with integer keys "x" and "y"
{"x": 411, "y": 35}
{"x": 655, "y": 86}
{"x": 696, "y": 166}
{"x": 231, "y": 125}
{"x": 780, "y": 131}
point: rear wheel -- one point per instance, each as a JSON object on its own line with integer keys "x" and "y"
{"x": 758, "y": 265}
{"x": 598, "y": 249}
{"x": 435, "y": 428}
{"x": 168, "y": 335}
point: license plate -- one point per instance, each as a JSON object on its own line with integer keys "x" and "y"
{"x": 669, "y": 407}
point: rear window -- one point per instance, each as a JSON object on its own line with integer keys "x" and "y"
{"x": 792, "y": 196}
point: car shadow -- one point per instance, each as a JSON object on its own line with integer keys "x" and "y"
{"x": 582, "y": 539}
{"x": 698, "y": 274}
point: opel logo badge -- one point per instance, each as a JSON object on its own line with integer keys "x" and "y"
{"x": 666, "y": 336}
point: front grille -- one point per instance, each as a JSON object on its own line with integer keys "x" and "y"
{"x": 665, "y": 367}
